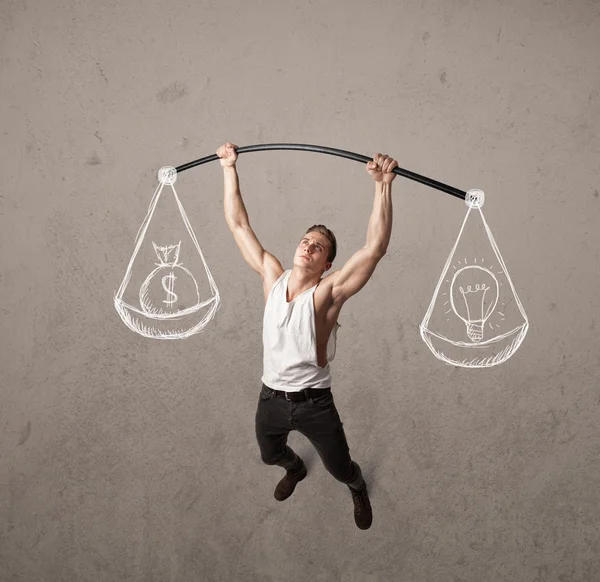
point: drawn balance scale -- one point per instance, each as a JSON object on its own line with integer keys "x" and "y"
{"x": 170, "y": 305}
{"x": 474, "y": 319}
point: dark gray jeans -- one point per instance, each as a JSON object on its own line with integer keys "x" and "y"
{"x": 318, "y": 420}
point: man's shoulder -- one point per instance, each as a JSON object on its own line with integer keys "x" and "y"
{"x": 270, "y": 278}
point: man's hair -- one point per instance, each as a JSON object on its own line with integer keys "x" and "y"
{"x": 324, "y": 230}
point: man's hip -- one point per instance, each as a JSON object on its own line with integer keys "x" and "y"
{"x": 297, "y": 395}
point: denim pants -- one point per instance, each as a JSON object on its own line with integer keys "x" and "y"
{"x": 318, "y": 420}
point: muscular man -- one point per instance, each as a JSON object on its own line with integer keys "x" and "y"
{"x": 299, "y": 333}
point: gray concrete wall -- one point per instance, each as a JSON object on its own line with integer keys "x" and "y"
{"x": 124, "y": 458}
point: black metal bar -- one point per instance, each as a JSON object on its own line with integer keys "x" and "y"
{"x": 334, "y": 152}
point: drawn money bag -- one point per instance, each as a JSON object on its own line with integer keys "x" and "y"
{"x": 164, "y": 302}
{"x": 475, "y": 318}
{"x": 158, "y": 294}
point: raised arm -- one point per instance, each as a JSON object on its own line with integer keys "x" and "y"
{"x": 264, "y": 263}
{"x": 353, "y": 276}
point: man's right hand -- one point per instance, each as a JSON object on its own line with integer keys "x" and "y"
{"x": 227, "y": 154}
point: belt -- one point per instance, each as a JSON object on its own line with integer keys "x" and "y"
{"x": 300, "y": 396}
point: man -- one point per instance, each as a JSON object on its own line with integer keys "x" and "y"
{"x": 299, "y": 332}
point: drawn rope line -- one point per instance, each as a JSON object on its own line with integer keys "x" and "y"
{"x": 333, "y": 152}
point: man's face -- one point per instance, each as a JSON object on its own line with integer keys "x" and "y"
{"x": 312, "y": 253}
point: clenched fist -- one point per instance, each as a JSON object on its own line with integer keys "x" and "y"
{"x": 227, "y": 154}
{"x": 381, "y": 168}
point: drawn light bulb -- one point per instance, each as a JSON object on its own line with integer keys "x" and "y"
{"x": 473, "y": 296}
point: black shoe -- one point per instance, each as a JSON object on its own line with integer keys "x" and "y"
{"x": 363, "y": 515}
{"x": 286, "y": 486}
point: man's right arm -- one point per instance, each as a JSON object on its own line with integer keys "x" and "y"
{"x": 264, "y": 263}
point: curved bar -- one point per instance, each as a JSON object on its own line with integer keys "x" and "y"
{"x": 334, "y": 152}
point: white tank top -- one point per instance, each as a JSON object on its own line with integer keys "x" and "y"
{"x": 289, "y": 341}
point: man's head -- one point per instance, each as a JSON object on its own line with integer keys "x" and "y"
{"x": 317, "y": 249}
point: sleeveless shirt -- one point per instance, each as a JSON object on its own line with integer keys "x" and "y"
{"x": 289, "y": 341}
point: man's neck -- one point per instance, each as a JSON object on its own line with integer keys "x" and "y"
{"x": 300, "y": 280}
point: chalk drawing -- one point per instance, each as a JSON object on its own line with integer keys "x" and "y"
{"x": 475, "y": 318}
{"x": 170, "y": 306}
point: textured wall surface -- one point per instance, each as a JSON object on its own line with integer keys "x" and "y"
{"x": 125, "y": 458}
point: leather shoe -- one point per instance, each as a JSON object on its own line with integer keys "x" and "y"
{"x": 286, "y": 486}
{"x": 363, "y": 515}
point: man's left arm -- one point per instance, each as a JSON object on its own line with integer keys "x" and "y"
{"x": 358, "y": 269}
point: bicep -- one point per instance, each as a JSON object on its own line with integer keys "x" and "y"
{"x": 263, "y": 262}
{"x": 353, "y": 276}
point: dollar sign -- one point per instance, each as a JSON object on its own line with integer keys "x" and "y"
{"x": 168, "y": 287}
